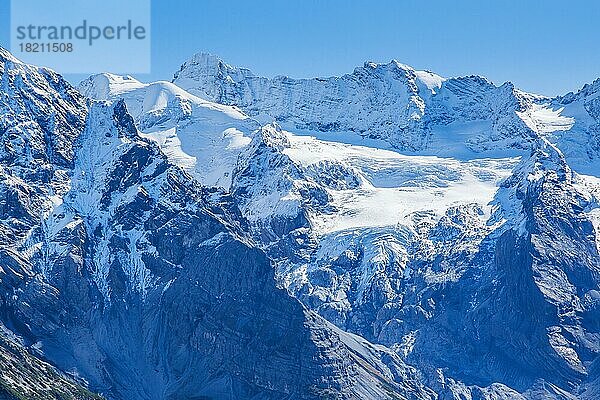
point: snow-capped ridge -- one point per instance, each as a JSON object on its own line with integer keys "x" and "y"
{"x": 105, "y": 85}
{"x": 40, "y": 114}
{"x": 391, "y": 102}
{"x": 431, "y": 80}
{"x": 6, "y": 55}
{"x": 201, "y": 136}
{"x": 545, "y": 158}
{"x": 210, "y": 61}
{"x": 272, "y": 136}
{"x": 588, "y": 89}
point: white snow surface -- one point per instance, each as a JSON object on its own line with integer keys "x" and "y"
{"x": 543, "y": 118}
{"x": 202, "y": 137}
{"x": 394, "y": 186}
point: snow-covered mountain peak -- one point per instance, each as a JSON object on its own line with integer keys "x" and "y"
{"x": 201, "y": 136}
{"x": 572, "y": 123}
{"x": 208, "y": 62}
{"x": 40, "y": 115}
{"x": 431, "y": 80}
{"x": 545, "y": 159}
{"x": 589, "y": 89}
{"x": 273, "y": 136}
{"x": 207, "y": 65}
{"x": 143, "y": 98}
{"x": 105, "y": 85}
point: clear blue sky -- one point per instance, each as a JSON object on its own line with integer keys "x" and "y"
{"x": 549, "y": 47}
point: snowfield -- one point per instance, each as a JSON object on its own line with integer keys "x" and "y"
{"x": 392, "y": 187}
{"x": 202, "y": 137}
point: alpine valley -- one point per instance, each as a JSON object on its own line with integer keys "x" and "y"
{"x": 385, "y": 234}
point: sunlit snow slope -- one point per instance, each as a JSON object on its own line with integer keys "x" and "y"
{"x": 202, "y": 137}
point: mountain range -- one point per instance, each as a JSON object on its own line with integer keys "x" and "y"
{"x": 385, "y": 234}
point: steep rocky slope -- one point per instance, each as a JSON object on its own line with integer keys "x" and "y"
{"x": 24, "y": 376}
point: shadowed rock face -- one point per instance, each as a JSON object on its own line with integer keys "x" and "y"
{"x": 532, "y": 316}
{"x": 117, "y": 266}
